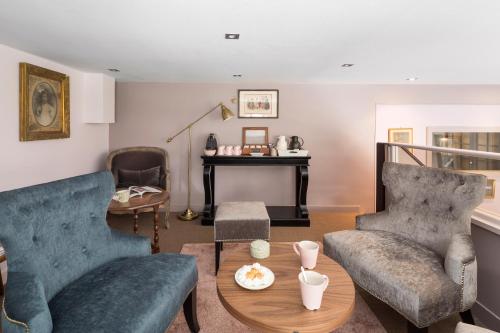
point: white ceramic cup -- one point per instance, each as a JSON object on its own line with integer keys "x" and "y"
{"x": 308, "y": 253}
{"x": 229, "y": 150}
{"x": 237, "y": 150}
{"x": 220, "y": 150}
{"x": 312, "y": 290}
{"x": 123, "y": 195}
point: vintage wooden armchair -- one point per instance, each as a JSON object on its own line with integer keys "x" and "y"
{"x": 142, "y": 158}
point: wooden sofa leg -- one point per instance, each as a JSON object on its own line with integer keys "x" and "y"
{"x": 414, "y": 329}
{"x": 190, "y": 312}
{"x": 467, "y": 317}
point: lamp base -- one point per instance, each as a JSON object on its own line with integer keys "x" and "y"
{"x": 188, "y": 215}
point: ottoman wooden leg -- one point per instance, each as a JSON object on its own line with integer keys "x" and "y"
{"x": 218, "y": 247}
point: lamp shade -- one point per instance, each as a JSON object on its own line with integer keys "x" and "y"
{"x": 226, "y": 113}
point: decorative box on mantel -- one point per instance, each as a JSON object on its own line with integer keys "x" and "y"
{"x": 99, "y": 98}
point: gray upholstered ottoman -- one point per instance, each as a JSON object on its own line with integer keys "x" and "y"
{"x": 239, "y": 221}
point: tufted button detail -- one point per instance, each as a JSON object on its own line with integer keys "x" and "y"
{"x": 425, "y": 202}
{"x": 450, "y": 209}
{"x": 417, "y": 177}
{"x": 65, "y": 226}
{"x": 55, "y": 264}
{"x": 34, "y": 239}
{"x": 84, "y": 250}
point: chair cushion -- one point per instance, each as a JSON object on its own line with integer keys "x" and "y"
{"x": 400, "y": 272}
{"x": 245, "y": 220}
{"x": 148, "y": 177}
{"x": 141, "y": 294}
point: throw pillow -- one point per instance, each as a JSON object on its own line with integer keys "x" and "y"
{"x": 148, "y": 177}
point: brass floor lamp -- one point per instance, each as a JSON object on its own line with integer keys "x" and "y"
{"x": 189, "y": 214}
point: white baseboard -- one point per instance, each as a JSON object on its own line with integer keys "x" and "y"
{"x": 486, "y": 220}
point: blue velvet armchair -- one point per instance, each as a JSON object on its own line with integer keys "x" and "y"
{"x": 69, "y": 272}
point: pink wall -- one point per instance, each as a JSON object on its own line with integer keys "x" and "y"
{"x": 28, "y": 163}
{"x": 337, "y": 123}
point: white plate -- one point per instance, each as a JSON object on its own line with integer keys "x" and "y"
{"x": 266, "y": 282}
{"x": 257, "y": 154}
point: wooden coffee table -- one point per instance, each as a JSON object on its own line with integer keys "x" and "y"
{"x": 136, "y": 204}
{"x": 279, "y": 308}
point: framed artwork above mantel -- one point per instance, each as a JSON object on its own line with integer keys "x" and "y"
{"x": 258, "y": 103}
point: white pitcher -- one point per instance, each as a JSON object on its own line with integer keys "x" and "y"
{"x": 281, "y": 144}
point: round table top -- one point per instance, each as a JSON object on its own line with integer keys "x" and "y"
{"x": 147, "y": 200}
{"x": 279, "y": 308}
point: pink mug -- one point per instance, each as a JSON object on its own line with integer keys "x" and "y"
{"x": 229, "y": 150}
{"x": 221, "y": 150}
{"x": 308, "y": 253}
{"x": 237, "y": 150}
{"x": 312, "y": 287}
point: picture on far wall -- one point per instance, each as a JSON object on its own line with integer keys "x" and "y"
{"x": 490, "y": 189}
{"x": 257, "y": 103}
{"x": 401, "y": 135}
{"x": 44, "y": 103}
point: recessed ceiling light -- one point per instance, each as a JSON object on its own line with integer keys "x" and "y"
{"x": 412, "y": 79}
{"x": 232, "y": 36}
{"x": 113, "y": 70}
{"x": 237, "y": 75}
{"x": 347, "y": 65}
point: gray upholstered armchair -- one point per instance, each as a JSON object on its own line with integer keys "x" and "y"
{"x": 417, "y": 255}
{"x": 69, "y": 272}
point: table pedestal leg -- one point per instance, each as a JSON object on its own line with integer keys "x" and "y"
{"x": 136, "y": 223}
{"x": 301, "y": 182}
{"x": 155, "y": 247}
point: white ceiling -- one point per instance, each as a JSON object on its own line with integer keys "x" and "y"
{"x": 439, "y": 41}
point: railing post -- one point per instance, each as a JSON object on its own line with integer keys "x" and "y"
{"x": 380, "y": 188}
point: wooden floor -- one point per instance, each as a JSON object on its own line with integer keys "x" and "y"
{"x": 180, "y": 232}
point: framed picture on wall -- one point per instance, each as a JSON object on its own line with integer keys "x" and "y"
{"x": 257, "y": 103}
{"x": 401, "y": 135}
{"x": 490, "y": 189}
{"x": 44, "y": 103}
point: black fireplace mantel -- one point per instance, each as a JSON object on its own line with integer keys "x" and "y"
{"x": 297, "y": 215}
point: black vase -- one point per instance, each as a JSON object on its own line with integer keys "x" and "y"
{"x": 211, "y": 142}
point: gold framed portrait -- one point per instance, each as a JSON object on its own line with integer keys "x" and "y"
{"x": 43, "y": 103}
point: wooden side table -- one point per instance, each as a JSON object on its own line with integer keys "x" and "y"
{"x": 136, "y": 204}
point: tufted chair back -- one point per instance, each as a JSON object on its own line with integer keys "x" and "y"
{"x": 57, "y": 231}
{"x": 430, "y": 205}
{"x": 140, "y": 158}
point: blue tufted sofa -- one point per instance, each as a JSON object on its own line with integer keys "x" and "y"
{"x": 69, "y": 272}
{"x": 417, "y": 255}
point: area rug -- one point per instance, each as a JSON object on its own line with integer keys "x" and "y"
{"x": 213, "y": 318}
